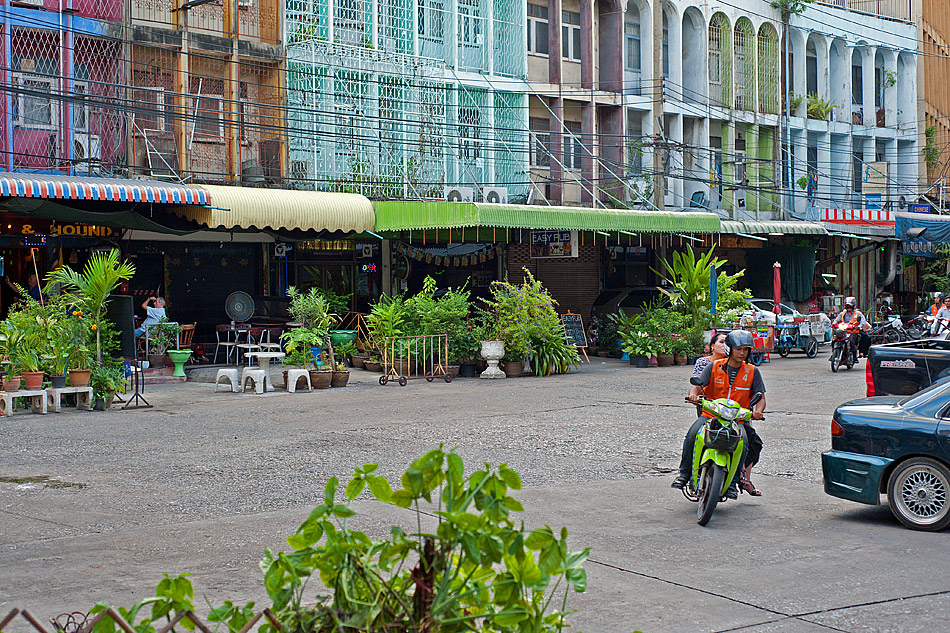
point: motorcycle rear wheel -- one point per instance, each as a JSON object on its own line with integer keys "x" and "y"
{"x": 811, "y": 347}
{"x": 711, "y": 478}
{"x": 892, "y": 336}
{"x": 835, "y": 360}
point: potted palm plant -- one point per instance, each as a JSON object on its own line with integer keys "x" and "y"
{"x": 89, "y": 291}
{"x": 106, "y": 380}
{"x": 161, "y": 337}
{"x": 312, "y": 310}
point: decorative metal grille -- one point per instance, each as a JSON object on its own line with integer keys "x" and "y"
{"x": 744, "y": 65}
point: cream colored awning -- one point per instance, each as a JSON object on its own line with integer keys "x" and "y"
{"x": 247, "y": 208}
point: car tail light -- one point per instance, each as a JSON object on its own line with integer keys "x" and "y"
{"x": 869, "y": 378}
{"x": 836, "y": 430}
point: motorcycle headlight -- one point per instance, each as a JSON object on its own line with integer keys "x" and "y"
{"x": 730, "y": 411}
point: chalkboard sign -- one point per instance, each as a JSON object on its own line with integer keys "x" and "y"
{"x": 574, "y": 328}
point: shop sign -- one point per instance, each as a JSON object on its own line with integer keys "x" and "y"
{"x": 735, "y": 241}
{"x": 70, "y": 229}
{"x": 326, "y": 245}
{"x": 553, "y": 244}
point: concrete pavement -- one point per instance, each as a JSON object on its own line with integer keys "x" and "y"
{"x": 203, "y": 482}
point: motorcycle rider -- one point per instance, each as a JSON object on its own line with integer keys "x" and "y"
{"x": 855, "y": 321}
{"x": 731, "y": 377}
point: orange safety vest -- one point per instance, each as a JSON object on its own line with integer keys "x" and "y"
{"x": 719, "y": 387}
{"x": 934, "y": 309}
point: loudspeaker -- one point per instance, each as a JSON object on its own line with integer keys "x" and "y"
{"x": 121, "y": 311}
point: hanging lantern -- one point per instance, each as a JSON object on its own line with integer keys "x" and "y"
{"x": 456, "y": 260}
{"x": 464, "y": 260}
{"x": 400, "y": 248}
{"x": 481, "y": 257}
{"x": 418, "y": 256}
{"x": 428, "y": 258}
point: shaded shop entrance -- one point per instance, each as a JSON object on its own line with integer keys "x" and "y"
{"x": 344, "y": 266}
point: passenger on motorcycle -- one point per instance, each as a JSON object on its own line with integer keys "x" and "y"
{"x": 938, "y": 303}
{"x": 730, "y": 377}
{"x": 942, "y": 318}
{"x": 855, "y": 321}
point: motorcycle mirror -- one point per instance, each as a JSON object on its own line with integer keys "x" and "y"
{"x": 756, "y": 398}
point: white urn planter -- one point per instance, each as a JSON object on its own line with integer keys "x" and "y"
{"x": 493, "y": 351}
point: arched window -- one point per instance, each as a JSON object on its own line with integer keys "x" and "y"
{"x": 631, "y": 27}
{"x": 720, "y": 57}
{"x": 666, "y": 46}
{"x": 768, "y": 64}
{"x": 744, "y": 64}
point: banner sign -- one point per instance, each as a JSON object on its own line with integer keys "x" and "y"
{"x": 919, "y": 248}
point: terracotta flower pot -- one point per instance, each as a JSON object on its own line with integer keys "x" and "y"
{"x": 679, "y": 360}
{"x": 372, "y": 365}
{"x": 32, "y": 380}
{"x": 156, "y": 361}
{"x": 513, "y": 368}
{"x": 664, "y": 360}
{"x": 11, "y": 383}
{"x": 79, "y": 377}
{"x": 358, "y": 360}
{"x": 340, "y": 378}
{"x": 320, "y": 379}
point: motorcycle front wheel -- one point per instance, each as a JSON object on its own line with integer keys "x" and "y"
{"x": 711, "y": 478}
{"x": 892, "y": 336}
{"x": 811, "y": 347}
{"x": 835, "y": 360}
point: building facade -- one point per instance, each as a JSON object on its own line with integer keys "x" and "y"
{"x": 400, "y": 99}
{"x": 721, "y": 142}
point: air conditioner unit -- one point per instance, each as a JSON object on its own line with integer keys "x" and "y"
{"x": 245, "y": 3}
{"x": 496, "y": 195}
{"x": 740, "y": 199}
{"x": 86, "y": 147}
{"x": 460, "y": 194}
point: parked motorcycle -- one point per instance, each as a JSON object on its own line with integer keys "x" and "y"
{"x": 918, "y": 327}
{"x": 841, "y": 350}
{"x": 890, "y": 330}
{"x": 719, "y": 450}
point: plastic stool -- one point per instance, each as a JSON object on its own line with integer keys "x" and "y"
{"x": 293, "y": 375}
{"x": 258, "y": 376}
{"x": 232, "y": 375}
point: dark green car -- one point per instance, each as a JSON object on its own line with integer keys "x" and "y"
{"x": 898, "y": 446}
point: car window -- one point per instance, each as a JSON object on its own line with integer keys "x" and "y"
{"x": 939, "y": 389}
{"x": 786, "y": 309}
{"x": 606, "y": 296}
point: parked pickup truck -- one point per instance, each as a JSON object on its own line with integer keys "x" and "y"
{"x": 904, "y": 368}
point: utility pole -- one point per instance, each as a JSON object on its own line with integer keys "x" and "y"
{"x": 659, "y": 180}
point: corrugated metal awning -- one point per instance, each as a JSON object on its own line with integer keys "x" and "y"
{"x": 769, "y": 227}
{"x": 861, "y": 230}
{"x": 246, "y": 208}
{"x": 415, "y": 215}
{"x": 55, "y": 187}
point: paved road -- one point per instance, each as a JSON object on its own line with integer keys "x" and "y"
{"x": 203, "y": 482}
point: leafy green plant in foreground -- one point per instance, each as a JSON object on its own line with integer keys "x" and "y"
{"x": 468, "y": 566}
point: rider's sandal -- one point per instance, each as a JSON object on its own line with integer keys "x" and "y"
{"x": 748, "y": 487}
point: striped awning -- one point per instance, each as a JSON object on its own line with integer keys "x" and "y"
{"x": 55, "y": 187}
{"x": 402, "y": 215}
{"x": 772, "y": 228}
{"x": 252, "y": 208}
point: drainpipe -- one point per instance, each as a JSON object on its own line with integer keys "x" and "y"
{"x": 891, "y": 264}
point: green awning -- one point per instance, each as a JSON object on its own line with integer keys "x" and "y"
{"x": 416, "y": 215}
{"x": 776, "y": 227}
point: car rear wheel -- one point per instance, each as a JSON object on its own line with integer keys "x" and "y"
{"x": 918, "y": 492}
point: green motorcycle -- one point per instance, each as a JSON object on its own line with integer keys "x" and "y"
{"x": 716, "y": 454}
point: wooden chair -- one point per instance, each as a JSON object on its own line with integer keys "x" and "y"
{"x": 187, "y": 336}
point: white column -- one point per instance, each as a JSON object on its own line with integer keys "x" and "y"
{"x": 867, "y": 76}
{"x": 825, "y": 170}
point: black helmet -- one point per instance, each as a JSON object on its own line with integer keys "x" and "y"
{"x": 737, "y": 339}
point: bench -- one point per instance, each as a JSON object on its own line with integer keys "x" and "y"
{"x": 37, "y": 400}
{"x": 83, "y": 398}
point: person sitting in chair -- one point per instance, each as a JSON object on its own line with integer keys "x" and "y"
{"x": 153, "y": 314}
